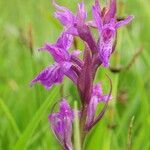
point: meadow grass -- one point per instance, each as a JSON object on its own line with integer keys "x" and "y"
{"x": 24, "y": 111}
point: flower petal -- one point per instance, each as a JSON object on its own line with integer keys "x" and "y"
{"x": 106, "y": 43}
{"x": 105, "y": 52}
{"x": 52, "y": 75}
{"x": 97, "y": 15}
{"x": 97, "y": 90}
{"x": 104, "y": 98}
{"x": 65, "y": 41}
{"x": 81, "y": 14}
{"x": 124, "y": 22}
{"x": 58, "y": 54}
{"x": 111, "y": 11}
{"x": 57, "y": 127}
{"x": 64, "y": 15}
{"x": 65, "y": 109}
{"x": 72, "y": 30}
{"x": 59, "y": 51}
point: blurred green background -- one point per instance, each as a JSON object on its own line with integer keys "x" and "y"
{"x": 26, "y": 25}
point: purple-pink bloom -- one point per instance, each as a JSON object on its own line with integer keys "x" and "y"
{"x": 81, "y": 15}
{"x": 52, "y": 75}
{"x": 107, "y": 25}
{"x": 61, "y": 124}
{"x": 59, "y": 50}
{"x": 75, "y": 24}
{"x": 65, "y": 16}
{"x": 97, "y": 97}
{"x": 68, "y": 19}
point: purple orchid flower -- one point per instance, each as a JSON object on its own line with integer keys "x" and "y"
{"x": 68, "y": 19}
{"x": 76, "y": 25}
{"x": 64, "y": 61}
{"x": 97, "y": 97}
{"x": 61, "y": 124}
{"x": 52, "y": 75}
{"x": 59, "y": 50}
{"x": 107, "y": 26}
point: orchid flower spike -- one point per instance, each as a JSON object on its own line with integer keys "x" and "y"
{"x": 82, "y": 72}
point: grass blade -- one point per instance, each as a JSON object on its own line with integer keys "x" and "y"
{"x": 129, "y": 142}
{"x": 10, "y": 117}
{"x": 21, "y": 143}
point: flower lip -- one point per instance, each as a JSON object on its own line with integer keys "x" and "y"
{"x": 108, "y": 33}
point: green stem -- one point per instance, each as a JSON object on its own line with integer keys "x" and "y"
{"x": 77, "y": 142}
